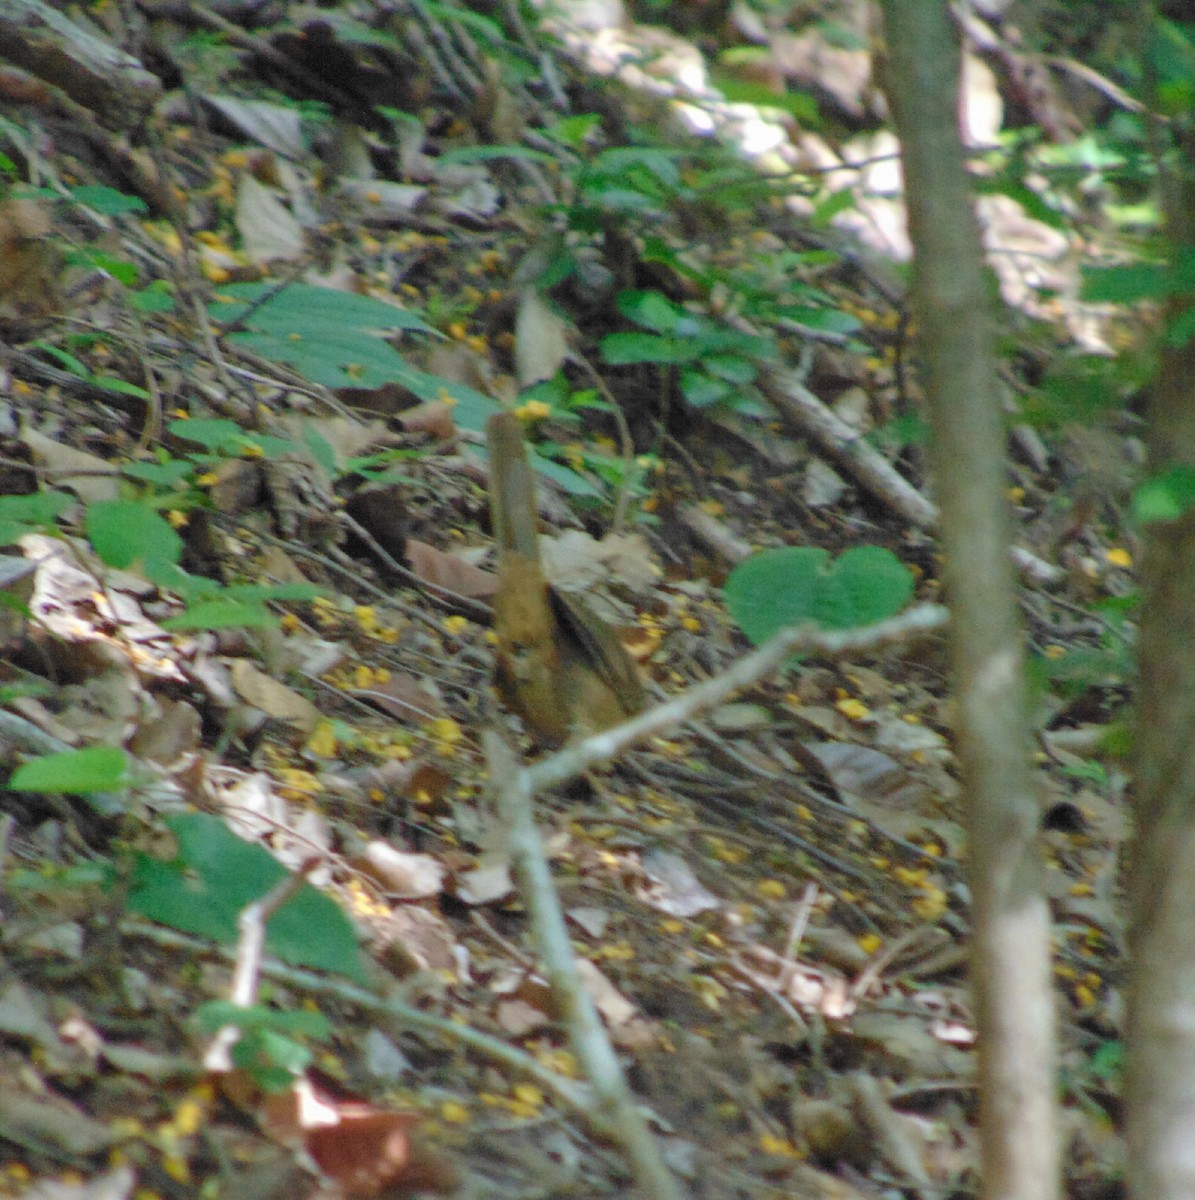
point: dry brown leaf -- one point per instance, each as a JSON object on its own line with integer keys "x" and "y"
{"x": 516, "y": 1018}
{"x": 670, "y": 886}
{"x": 404, "y": 697}
{"x": 101, "y": 481}
{"x": 29, "y": 263}
{"x": 275, "y": 699}
{"x": 364, "y": 1149}
{"x": 70, "y": 603}
{"x": 415, "y": 939}
{"x": 450, "y": 572}
{"x": 434, "y": 418}
{"x": 614, "y": 1007}
{"x": 405, "y": 875}
{"x": 268, "y": 229}
{"x": 575, "y": 561}
{"x": 274, "y": 126}
{"x": 237, "y": 486}
{"x": 541, "y": 339}
{"x": 486, "y": 884}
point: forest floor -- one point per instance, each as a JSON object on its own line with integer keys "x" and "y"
{"x": 769, "y": 903}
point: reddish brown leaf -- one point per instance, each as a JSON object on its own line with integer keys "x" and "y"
{"x": 448, "y": 571}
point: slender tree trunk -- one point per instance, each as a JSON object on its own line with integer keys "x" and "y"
{"x": 1161, "y": 1025}
{"x": 1011, "y": 975}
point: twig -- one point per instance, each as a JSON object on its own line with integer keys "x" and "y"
{"x": 576, "y": 1096}
{"x": 242, "y": 990}
{"x": 843, "y": 446}
{"x": 580, "y": 756}
{"x": 586, "y": 1032}
{"x": 464, "y": 604}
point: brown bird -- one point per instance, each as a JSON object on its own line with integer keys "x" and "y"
{"x": 559, "y": 666}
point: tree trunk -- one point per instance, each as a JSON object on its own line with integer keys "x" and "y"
{"x": 1010, "y": 957}
{"x": 1161, "y": 1024}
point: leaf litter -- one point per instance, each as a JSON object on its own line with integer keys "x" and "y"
{"x": 769, "y": 909}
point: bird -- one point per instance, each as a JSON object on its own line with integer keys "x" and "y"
{"x": 558, "y": 665}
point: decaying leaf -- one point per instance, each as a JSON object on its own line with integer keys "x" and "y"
{"x": 275, "y": 699}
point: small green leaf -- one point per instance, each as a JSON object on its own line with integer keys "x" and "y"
{"x": 222, "y": 613}
{"x": 1125, "y": 284}
{"x": 161, "y": 474}
{"x": 731, "y": 367}
{"x": 153, "y": 299}
{"x": 1165, "y": 497}
{"x": 113, "y": 383}
{"x": 215, "y": 1014}
{"x": 69, "y": 361}
{"x": 573, "y": 131}
{"x": 20, "y": 515}
{"x": 827, "y": 320}
{"x": 573, "y": 483}
{"x": 469, "y": 154}
{"x": 108, "y": 200}
{"x": 789, "y": 586}
{"x": 702, "y": 390}
{"x": 78, "y": 772}
{"x": 1181, "y": 328}
{"x": 619, "y": 349}
{"x": 652, "y": 310}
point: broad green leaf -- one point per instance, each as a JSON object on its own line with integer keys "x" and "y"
{"x": 20, "y": 515}
{"x": 702, "y": 390}
{"x": 223, "y": 613}
{"x": 1165, "y": 497}
{"x": 789, "y": 586}
{"x": 108, "y": 200}
{"x": 1125, "y": 284}
{"x": 328, "y": 336}
{"x": 301, "y": 307}
{"x": 827, "y": 320}
{"x": 619, "y": 349}
{"x": 215, "y": 1014}
{"x": 123, "y": 532}
{"x": 731, "y": 367}
{"x": 652, "y": 310}
{"x": 215, "y": 874}
{"x": 77, "y": 772}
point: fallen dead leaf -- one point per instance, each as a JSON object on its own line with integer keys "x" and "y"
{"x": 450, "y": 572}
{"x": 275, "y": 699}
{"x": 406, "y": 876}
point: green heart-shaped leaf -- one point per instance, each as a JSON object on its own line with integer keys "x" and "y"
{"x": 789, "y": 586}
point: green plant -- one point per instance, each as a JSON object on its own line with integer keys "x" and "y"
{"x": 715, "y": 365}
{"x": 36, "y": 513}
{"x": 210, "y": 878}
{"x": 337, "y": 339}
{"x": 331, "y": 337}
{"x": 74, "y": 772}
{"x": 795, "y": 584}
{"x": 269, "y": 1047}
{"x": 106, "y": 382}
{"x": 157, "y": 296}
